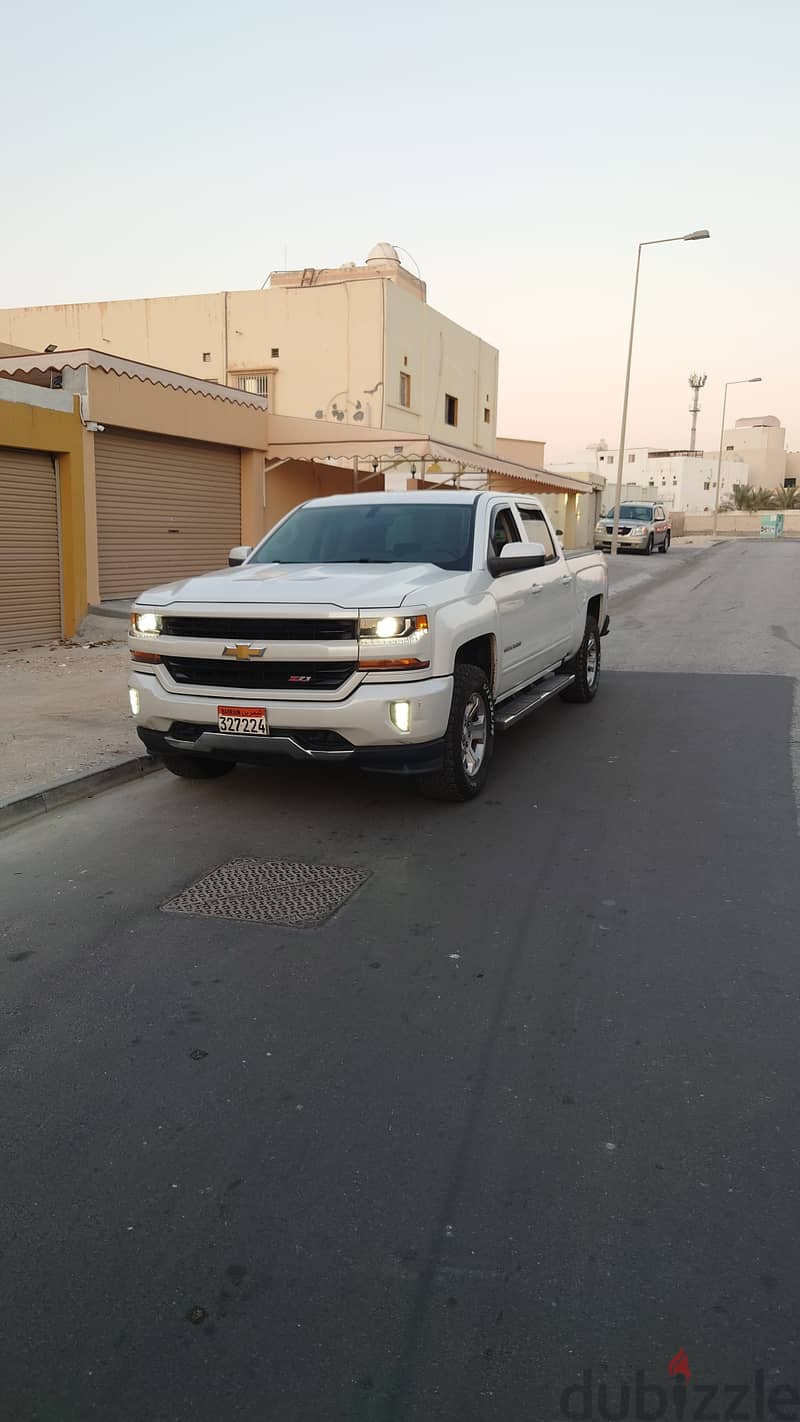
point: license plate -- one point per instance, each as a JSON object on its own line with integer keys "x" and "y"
{"x": 242, "y": 720}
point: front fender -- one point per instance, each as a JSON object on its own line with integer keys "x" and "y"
{"x": 461, "y": 622}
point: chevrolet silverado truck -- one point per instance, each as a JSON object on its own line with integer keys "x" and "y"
{"x": 398, "y": 632}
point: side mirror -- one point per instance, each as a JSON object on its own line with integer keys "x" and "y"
{"x": 517, "y": 558}
{"x": 238, "y": 555}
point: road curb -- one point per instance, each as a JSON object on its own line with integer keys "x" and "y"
{"x": 96, "y": 609}
{"x": 77, "y": 787}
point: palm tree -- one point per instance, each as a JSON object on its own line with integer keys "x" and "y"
{"x": 786, "y": 498}
{"x": 746, "y": 499}
{"x": 741, "y": 499}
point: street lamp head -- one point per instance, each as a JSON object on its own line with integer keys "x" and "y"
{"x": 754, "y": 380}
{"x": 696, "y": 236}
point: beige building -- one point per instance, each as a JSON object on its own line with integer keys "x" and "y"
{"x": 760, "y": 443}
{"x": 350, "y": 345}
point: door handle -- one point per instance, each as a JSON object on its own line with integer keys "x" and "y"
{"x": 567, "y": 578}
{"x": 535, "y": 588}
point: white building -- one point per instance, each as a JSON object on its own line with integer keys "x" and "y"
{"x": 680, "y": 479}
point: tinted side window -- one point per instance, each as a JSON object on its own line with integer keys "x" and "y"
{"x": 504, "y": 530}
{"x": 536, "y": 530}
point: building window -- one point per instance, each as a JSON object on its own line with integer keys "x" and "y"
{"x": 275, "y": 352}
{"x": 405, "y": 360}
{"x": 674, "y": 479}
{"x": 631, "y": 458}
{"x": 609, "y": 458}
{"x": 707, "y": 485}
{"x": 729, "y": 446}
{"x": 255, "y": 383}
{"x": 206, "y": 357}
{"x": 663, "y": 483}
{"x": 487, "y": 415}
{"x": 450, "y": 410}
{"x": 405, "y": 389}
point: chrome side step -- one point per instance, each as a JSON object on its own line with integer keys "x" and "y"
{"x": 509, "y": 712}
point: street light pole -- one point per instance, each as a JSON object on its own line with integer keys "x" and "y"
{"x": 749, "y": 380}
{"x": 657, "y": 242}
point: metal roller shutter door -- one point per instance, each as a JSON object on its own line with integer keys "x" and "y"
{"x": 30, "y": 571}
{"x": 166, "y": 509}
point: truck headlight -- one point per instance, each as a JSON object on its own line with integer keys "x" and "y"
{"x": 391, "y": 628}
{"x": 388, "y": 627}
{"x": 147, "y": 622}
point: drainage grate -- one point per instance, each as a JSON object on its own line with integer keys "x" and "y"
{"x": 284, "y": 893}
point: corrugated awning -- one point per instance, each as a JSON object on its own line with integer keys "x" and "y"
{"x": 291, "y": 438}
{"x": 58, "y": 361}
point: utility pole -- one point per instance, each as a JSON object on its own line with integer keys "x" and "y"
{"x": 696, "y": 382}
{"x": 657, "y": 242}
{"x": 749, "y": 380}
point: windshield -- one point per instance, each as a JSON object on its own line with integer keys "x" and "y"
{"x": 383, "y": 532}
{"x": 637, "y": 513}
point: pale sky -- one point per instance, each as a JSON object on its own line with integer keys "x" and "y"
{"x": 519, "y": 151}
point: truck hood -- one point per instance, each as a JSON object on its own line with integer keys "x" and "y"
{"x": 351, "y": 585}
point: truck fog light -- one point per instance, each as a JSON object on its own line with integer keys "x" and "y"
{"x": 133, "y": 697}
{"x": 400, "y": 712}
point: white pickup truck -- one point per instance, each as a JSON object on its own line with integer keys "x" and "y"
{"x": 395, "y": 631}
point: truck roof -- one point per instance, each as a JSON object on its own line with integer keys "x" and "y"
{"x": 414, "y": 496}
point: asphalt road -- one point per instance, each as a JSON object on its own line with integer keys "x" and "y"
{"x": 526, "y": 1106}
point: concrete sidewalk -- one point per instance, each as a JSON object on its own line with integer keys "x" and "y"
{"x": 64, "y": 709}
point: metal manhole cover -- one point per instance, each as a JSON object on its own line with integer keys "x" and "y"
{"x": 285, "y": 893}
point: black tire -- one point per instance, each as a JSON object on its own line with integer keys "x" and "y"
{"x": 665, "y": 545}
{"x": 650, "y": 545}
{"x": 195, "y": 767}
{"x": 454, "y": 781}
{"x": 585, "y": 667}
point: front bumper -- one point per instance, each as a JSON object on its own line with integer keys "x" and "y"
{"x": 358, "y": 730}
{"x": 637, "y": 543}
{"x": 395, "y": 760}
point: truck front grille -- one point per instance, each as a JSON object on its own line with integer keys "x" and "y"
{"x": 263, "y": 629}
{"x": 258, "y": 675}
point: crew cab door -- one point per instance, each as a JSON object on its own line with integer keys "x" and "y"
{"x": 514, "y": 597}
{"x": 552, "y": 609}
